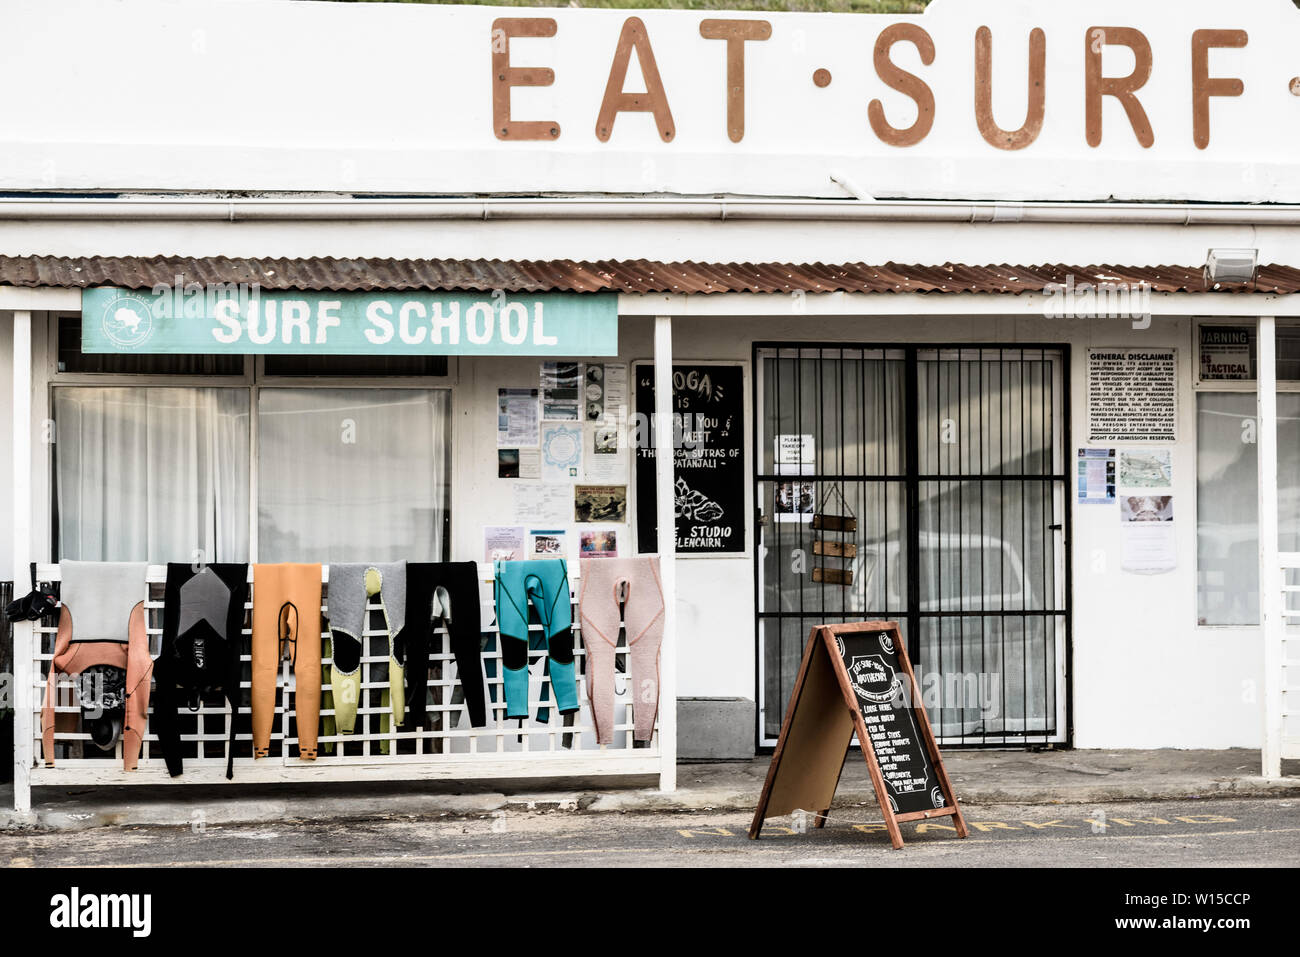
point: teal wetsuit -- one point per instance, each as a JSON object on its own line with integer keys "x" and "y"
{"x": 545, "y": 583}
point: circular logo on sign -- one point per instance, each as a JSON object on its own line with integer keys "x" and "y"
{"x": 886, "y": 642}
{"x": 936, "y": 797}
{"x": 893, "y": 805}
{"x": 127, "y": 321}
{"x": 873, "y": 679}
{"x": 839, "y": 645}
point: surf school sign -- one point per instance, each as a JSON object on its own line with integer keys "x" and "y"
{"x": 248, "y": 321}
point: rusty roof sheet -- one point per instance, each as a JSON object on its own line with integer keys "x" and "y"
{"x": 627, "y": 276}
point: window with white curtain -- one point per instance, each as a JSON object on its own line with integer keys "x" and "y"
{"x": 1227, "y": 502}
{"x": 151, "y": 474}
{"x": 352, "y": 474}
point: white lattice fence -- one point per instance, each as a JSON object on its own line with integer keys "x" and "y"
{"x": 446, "y": 748}
{"x": 1289, "y": 718}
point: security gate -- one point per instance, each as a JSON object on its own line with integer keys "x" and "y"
{"x": 928, "y": 486}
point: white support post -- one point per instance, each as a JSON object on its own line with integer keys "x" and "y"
{"x": 1271, "y": 606}
{"x": 666, "y": 510}
{"x": 24, "y": 676}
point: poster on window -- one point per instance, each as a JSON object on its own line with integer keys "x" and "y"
{"x": 1225, "y": 353}
{"x": 1132, "y": 395}
{"x": 708, "y": 459}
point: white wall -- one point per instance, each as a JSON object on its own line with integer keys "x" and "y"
{"x": 421, "y": 78}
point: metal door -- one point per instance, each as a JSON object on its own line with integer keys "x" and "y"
{"x": 951, "y": 465}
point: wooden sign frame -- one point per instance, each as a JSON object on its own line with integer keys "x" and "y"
{"x": 820, "y": 723}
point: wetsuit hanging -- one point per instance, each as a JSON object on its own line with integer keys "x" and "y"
{"x": 102, "y": 642}
{"x": 286, "y": 619}
{"x": 545, "y": 583}
{"x": 351, "y": 588}
{"x": 203, "y": 621}
{"x": 447, "y": 592}
{"x": 643, "y": 614}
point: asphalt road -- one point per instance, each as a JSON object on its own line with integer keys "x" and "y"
{"x": 1238, "y": 833}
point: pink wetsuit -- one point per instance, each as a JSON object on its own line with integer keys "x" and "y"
{"x": 643, "y": 614}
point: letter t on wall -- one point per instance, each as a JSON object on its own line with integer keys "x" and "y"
{"x": 504, "y": 76}
{"x": 735, "y": 32}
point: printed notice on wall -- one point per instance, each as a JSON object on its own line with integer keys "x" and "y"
{"x": 1150, "y": 544}
{"x": 503, "y": 543}
{"x": 1132, "y": 395}
{"x": 516, "y": 418}
{"x": 1096, "y": 484}
{"x": 536, "y": 503}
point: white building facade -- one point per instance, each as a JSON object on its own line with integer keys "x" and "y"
{"x": 1050, "y": 370}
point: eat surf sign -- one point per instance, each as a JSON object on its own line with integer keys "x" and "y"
{"x": 1083, "y": 100}
{"x": 242, "y": 320}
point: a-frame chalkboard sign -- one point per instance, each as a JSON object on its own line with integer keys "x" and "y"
{"x": 856, "y": 679}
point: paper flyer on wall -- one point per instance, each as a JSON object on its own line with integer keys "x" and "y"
{"x": 1096, "y": 477}
{"x": 561, "y": 453}
{"x": 503, "y": 543}
{"x": 604, "y": 457}
{"x": 600, "y": 503}
{"x": 604, "y": 391}
{"x": 598, "y": 543}
{"x": 547, "y": 543}
{"x": 1150, "y": 543}
{"x": 517, "y": 418}
{"x": 538, "y": 503}
{"x": 1146, "y": 468}
{"x": 561, "y": 391}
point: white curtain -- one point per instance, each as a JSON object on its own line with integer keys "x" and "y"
{"x": 151, "y": 474}
{"x": 352, "y": 474}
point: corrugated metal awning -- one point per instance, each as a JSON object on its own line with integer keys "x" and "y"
{"x": 628, "y": 276}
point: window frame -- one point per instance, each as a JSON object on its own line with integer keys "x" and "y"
{"x": 253, "y": 379}
{"x": 1222, "y": 386}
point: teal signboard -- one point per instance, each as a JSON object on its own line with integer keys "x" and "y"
{"x": 231, "y": 319}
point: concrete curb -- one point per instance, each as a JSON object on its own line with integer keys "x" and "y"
{"x": 81, "y": 813}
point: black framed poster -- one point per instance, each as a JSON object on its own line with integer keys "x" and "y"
{"x": 709, "y": 458}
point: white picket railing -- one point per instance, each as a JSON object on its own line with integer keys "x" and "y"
{"x": 448, "y": 750}
{"x": 1288, "y": 707}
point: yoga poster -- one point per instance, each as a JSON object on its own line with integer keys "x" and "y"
{"x": 708, "y": 459}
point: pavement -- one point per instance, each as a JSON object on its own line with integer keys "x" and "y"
{"x": 1209, "y": 833}
{"x": 980, "y": 778}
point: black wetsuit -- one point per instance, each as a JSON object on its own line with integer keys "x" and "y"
{"x": 203, "y": 620}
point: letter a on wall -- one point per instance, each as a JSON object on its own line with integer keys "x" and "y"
{"x": 856, "y": 679}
